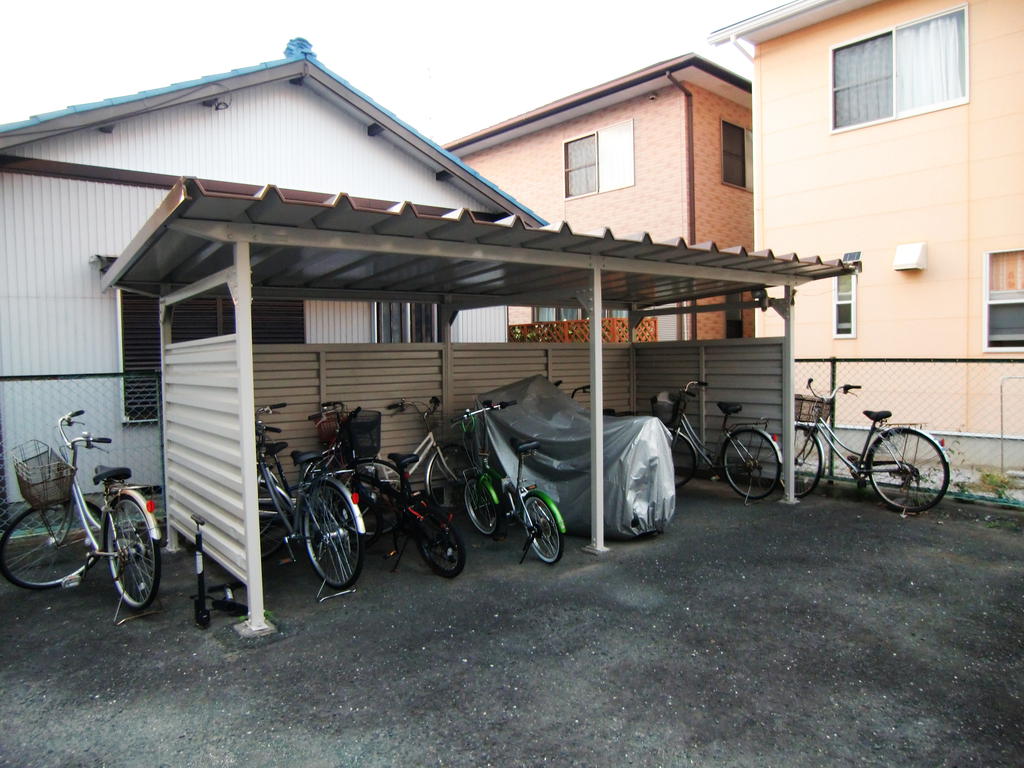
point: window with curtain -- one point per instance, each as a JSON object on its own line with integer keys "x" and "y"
{"x": 736, "y": 156}
{"x": 845, "y": 295}
{"x": 1005, "y": 298}
{"x": 912, "y": 68}
{"x": 404, "y": 322}
{"x": 600, "y": 162}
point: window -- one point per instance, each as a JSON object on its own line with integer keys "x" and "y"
{"x": 551, "y": 314}
{"x": 399, "y": 322}
{"x": 736, "y": 156}
{"x": 1004, "y": 321}
{"x": 600, "y": 162}
{"x": 273, "y": 322}
{"x": 845, "y": 295}
{"x": 912, "y": 68}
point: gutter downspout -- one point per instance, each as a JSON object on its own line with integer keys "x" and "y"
{"x": 691, "y": 202}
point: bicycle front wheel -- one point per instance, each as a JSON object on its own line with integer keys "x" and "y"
{"x": 134, "y": 556}
{"x": 751, "y": 462}
{"x": 684, "y": 458}
{"x": 480, "y": 506}
{"x": 908, "y": 469}
{"x": 446, "y": 474}
{"x": 808, "y": 460}
{"x": 333, "y": 543}
{"x": 548, "y": 542}
{"x": 440, "y": 545}
{"x": 42, "y": 547}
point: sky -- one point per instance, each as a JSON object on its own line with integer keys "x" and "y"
{"x": 448, "y": 69}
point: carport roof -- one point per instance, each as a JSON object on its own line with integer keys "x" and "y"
{"x": 335, "y": 246}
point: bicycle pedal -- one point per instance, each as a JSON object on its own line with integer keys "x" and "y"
{"x": 71, "y": 581}
{"x": 391, "y": 554}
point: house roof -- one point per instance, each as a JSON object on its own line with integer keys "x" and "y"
{"x": 785, "y": 19}
{"x": 325, "y": 246}
{"x": 690, "y": 67}
{"x": 301, "y": 67}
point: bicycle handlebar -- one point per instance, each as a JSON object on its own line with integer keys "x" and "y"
{"x": 488, "y": 405}
{"x": 690, "y": 384}
{"x": 271, "y": 408}
{"x": 846, "y": 388}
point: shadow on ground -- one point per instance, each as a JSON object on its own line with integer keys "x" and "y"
{"x": 827, "y": 633}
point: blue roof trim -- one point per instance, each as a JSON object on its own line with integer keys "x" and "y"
{"x": 312, "y": 59}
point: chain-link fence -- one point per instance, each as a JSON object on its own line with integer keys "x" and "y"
{"x": 123, "y": 407}
{"x": 974, "y": 407}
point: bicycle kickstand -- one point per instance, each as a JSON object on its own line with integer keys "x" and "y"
{"x": 526, "y": 546}
{"x": 397, "y": 554}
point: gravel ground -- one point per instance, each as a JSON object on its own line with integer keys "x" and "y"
{"x": 828, "y": 633}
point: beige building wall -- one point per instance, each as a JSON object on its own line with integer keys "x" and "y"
{"x": 953, "y": 178}
{"x": 530, "y": 168}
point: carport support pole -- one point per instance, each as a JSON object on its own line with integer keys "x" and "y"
{"x": 241, "y": 291}
{"x": 788, "y": 400}
{"x": 596, "y": 545}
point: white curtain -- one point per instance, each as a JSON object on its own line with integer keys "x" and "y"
{"x": 930, "y": 65}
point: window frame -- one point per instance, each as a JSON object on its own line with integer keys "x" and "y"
{"x": 748, "y": 164}
{"x": 896, "y": 114}
{"x": 596, "y": 133}
{"x": 986, "y": 302}
{"x": 852, "y": 301}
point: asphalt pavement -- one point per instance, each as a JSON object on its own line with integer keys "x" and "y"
{"x": 830, "y": 633}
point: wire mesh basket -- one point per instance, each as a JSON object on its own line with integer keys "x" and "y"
{"x": 361, "y": 434}
{"x": 327, "y": 427}
{"x": 665, "y": 406}
{"x": 43, "y": 476}
{"x": 809, "y": 408}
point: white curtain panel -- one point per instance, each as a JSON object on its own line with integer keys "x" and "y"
{"x": 863, "y": 82}
{"x": 930, "y": 66}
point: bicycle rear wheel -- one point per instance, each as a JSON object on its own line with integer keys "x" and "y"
{"x": 446, "y": 474}
{"x": 751, "y": 463}
{"x": 42, "y": 547}
{"x": 440, "y": 545}
{"x": 684, "y": 458}
{"x": 333, "y": 543}
{"x": 135, "y": 560}
{"x": 548, "y": 542}
{"x": 808, "y": 461}
{"x": 908, "y": 469}
{"x": 375, "y": 481}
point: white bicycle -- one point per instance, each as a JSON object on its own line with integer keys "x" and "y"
{"x": 446, "y": 465}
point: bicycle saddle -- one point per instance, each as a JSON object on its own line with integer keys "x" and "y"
{"x": 523, "y": 446}
{"x": 878, "y": 415}
{"x": 403, "y": 460}
{"x": 103, "y": 474}
{"x": 301, "y": 457}
{"x": 272, "y": 449}
{"x": 729, "y": 408}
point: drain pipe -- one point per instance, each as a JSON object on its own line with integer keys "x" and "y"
{"x": 691, "y": 202}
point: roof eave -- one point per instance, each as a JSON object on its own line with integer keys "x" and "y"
{"x": 784, "y": 19}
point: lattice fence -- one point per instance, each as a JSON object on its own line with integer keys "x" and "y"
{"x": 613, "y": 330}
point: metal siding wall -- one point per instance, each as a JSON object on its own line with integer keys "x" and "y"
{"x": 747, "y": 371}
{"x": 276, "y": 134}
{"x": 339, "y": 322}
{"x": 201, "y": 440}
{"x": 53, "y": 318}
{"x": 488, "y": 325}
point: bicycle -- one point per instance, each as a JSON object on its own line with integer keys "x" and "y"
{"x": 490, "y": 495}
{"x": 318, "y": 511}
{"x": 748, "y": 457}
{"x": 42, "y": 547}
{"x": 387, "y": 491}
{"x": 446, "y": 463}
{"x": 907, "y": 467}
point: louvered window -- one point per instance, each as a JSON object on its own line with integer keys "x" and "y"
{"x": 273, "y": 322}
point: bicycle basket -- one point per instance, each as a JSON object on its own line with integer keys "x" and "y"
{"x": 809, "y": 408}
{"x": 44, "y": 478}
{"x": 327, "y": 428}
{"x": 361, "y": 434}
{"x": 665, "y": 406}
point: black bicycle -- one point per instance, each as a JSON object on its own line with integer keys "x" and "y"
{"x": 389, "y": 502}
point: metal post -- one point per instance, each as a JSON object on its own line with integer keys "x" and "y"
{"x": 241, "y": 292}
{"x": 166, "y": 312}
{"x": 788, "y": 401}
{"x": 596, "y": 545}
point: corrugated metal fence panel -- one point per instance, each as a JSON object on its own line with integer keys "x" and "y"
{"x": 478, "y": 368}
{"x": 50, "y": 229}
{"x": 664, "y": 366}
{"x": 202, "y": 445}
{"x": 570, "y": 363}
{"x": 487, "y": 325}
{"x": 339, "y": 322}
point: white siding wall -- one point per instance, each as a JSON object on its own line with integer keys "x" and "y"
{"x": 53, "y": 318}
{"x": 277, "y": 134}
{"x": 202, "y": 446}
{"x": 339, "y": 322}
{"x": 483, "y": 325}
